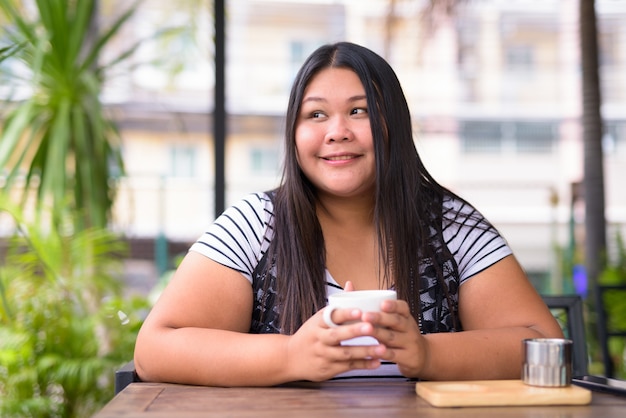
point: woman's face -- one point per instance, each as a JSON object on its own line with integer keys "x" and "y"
{"x": 334, "y": 143}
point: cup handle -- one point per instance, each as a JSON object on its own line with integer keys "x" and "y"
{"x": 327, "y": 316}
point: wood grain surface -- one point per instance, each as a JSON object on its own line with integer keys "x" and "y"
{"x": 499, "y": 392}
{"x": 345, "y": 398}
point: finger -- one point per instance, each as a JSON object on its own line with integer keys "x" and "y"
{"x": 334, "y": 317}
{"x": 349, "y": 287}
{"x": 361, "y": 364}
{"x": 356, "y": 353}
{"x": 396, "y": 306}
{"x": 344, "y": 335}
{"x": 385, "y": 320}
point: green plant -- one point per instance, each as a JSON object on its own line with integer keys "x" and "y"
{"x": 64, "y": 324}
{"x": 61, "y": 134}
{"x": 7, "y": 51}
{"x": 615, "y": 304}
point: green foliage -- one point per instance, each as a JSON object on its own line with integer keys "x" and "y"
{"x": 64, "y": 324}
{"x": 61, "y": 134}
{"x": 6, "y": 52}
{"x": 615, "y": 304}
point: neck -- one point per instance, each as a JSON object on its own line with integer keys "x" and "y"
{"x": 352, "y": 211}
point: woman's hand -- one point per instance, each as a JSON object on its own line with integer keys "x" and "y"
{"x": 315, "y": 352}
{"x": 400, "y": 337}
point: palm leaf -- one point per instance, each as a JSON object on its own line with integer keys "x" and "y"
{"x": 15, "y": 125}
{"x": 74, "y": 141}
{"x": 59, "y": 136}
{"x": 93, "y": 55}
{"x": 8, "y": 51}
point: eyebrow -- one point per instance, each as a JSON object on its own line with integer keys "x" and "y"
{"x": 321, "y": 99}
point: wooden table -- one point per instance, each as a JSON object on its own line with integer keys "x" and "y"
{"x": 378, "y": 398}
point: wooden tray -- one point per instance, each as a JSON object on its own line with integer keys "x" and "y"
{"x": 499, "y": 393}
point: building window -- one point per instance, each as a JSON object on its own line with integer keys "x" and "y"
{"x": 264, "y": 161}
{"x": 519, "y": 58}
{"x": 534, "y": 137}
{"x": 298, "y": 52}
{"x": 481, "y": 137}
{"x": 183, "y": 161}
{"x": 495, "y": 137}
{"x": 614, "y": 137}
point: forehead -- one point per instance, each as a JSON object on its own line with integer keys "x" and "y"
{"x": 333, "y": 82}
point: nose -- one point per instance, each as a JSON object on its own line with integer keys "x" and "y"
{"x": 338, "y": 130}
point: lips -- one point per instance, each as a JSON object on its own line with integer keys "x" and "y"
{"x": 340, "y": 157}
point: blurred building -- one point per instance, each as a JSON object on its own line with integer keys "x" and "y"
{"x": 494, "y": 90}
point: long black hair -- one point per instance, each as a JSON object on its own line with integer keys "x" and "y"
{"x": 408, "y": 201}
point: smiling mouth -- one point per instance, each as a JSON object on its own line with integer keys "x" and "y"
{"x": 340, "y": 158}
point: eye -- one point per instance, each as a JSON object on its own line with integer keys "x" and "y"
{"x": 359, "y": 110}
{"x": 317, "y": 114}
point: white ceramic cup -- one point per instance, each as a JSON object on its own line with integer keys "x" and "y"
{"x": 365, "y": 301}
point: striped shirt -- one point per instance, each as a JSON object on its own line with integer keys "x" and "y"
{"x": 240, "y": 237}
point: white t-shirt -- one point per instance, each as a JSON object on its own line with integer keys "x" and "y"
{"x": 241, "y": 236}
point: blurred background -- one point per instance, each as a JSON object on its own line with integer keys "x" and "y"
{"x": 495, "y": 88}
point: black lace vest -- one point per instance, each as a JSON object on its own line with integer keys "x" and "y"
{"x": 436, "y": 305}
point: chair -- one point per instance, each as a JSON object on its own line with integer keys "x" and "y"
{"x": 125, "y": 376}
{"x": 568, "y": 311}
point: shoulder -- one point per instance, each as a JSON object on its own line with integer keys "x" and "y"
{"x": 240, "y": 236}
{"x": 251, "y": 217}
{"x": 255, "y": 205}
{"x": 474, "y": 242}
{"x": 460, "y": 216}
{"x": 455, "y": 208}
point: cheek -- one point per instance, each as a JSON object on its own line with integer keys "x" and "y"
{"x": 366, "y": 134}
{"x": 303, "y": 143}
{"x": 303, "y": 158}
{"x": 300, "y": 151}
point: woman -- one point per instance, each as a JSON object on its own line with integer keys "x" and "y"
{"x": 356, "y": 209}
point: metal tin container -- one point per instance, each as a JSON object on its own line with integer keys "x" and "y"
{"x": 547, "y": 362}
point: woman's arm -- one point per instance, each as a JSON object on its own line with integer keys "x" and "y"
{"x": 498, "y": 308}
{"x": 197, "y": 333}
{"x": 202, "y": 315}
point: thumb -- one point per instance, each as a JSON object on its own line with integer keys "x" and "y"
{"x": 349, "y": 287}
